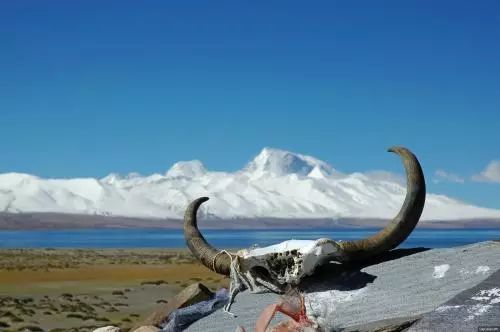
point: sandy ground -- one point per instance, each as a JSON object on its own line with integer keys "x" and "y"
{"x": 78, "y": 290}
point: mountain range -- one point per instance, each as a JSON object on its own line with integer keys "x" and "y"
{"x": 275, "y": 184}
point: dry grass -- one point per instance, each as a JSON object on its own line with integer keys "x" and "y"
{"x": 168, "y": 273}
{"x": 70, "y": 289}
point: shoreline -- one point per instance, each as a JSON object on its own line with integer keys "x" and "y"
{"x": 58, "y": 221}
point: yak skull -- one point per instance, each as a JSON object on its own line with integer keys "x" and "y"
{"x": 286, "y": 263}
{"x": 283, "y": 264}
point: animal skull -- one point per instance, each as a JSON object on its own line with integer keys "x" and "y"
{"x": 288, "y": 262}
{"x": 285, "y": 263}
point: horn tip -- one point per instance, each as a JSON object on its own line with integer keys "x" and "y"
{"x": 196, "y": 204}
{"x": 398, "y": 149}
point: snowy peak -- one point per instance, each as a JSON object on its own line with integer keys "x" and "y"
{"x": 276, "y": 183}
{"x": 188, "y": 169}
{"x": 280, "y": 163}
{"x": 114, "y": 178}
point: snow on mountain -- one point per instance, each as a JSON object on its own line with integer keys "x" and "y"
{"x": 189, "y": 169}
{"x": 275, "y": 183}
{"x": 276, "y": 162}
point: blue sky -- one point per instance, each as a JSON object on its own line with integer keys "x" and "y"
{"x": 93, "y": 87}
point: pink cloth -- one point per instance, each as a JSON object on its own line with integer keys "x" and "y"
{"x": 291, "y": 305}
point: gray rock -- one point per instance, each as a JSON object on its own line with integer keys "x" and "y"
{"x": 192, "y": 294}
{"x": 402, "y": 283}
{"x": 107, "y": 329}
{"x": 386, "y": 325}
{"x": 475, "y": 307}
{"x": 147, "y": 329}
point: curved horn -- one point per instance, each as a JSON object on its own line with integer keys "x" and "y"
{"x": 403, "y": 224}
{"x": 204, "y": 252}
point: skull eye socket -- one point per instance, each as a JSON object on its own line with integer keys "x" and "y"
{"x": 260, "y": 271}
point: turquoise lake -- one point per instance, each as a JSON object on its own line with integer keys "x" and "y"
{"x": 163, "y": 238}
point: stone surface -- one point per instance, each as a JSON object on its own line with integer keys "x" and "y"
{"x": 386, "y": 325}
{"x": 403, "y": 283}
{"x": 107, "y": 329}
{"x": 149, "y": 328}
{"x": 194, "y": 293}
{"x": 475, "y": 307}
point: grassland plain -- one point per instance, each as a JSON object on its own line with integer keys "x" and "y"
{"x": 81, "y": 289}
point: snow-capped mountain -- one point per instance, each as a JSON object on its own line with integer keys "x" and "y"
{"x": 275, "y": 183}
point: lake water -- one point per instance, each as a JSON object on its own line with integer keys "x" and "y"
{"x": 163, "y": 238}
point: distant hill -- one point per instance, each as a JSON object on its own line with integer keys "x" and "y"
{"x": 30, "y": 221}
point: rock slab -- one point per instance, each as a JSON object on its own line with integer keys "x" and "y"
{"x": 147, "y": 329}
{"x": 403, "y": 283}
{"x": 192, "y": 294}
{"x": 476, "y": 307}
{"x": 107, "y": 329}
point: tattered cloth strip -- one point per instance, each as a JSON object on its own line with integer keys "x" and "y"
{"x": 236, "y": 283}
{"x": 181, "y": 318}
{"x": 245, "y": 280}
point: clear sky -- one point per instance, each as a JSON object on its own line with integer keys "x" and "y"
{"x": 93, "y": 87}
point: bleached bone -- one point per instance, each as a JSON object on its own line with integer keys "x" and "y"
{"x": 288, "y": 262}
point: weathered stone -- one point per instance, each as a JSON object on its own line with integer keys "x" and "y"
{"x": 475, "y": 307}
{"x": 149, "y": 328}
{"x": 402, "y": 283}
{"x": 107, "y": 329}
{"x": 386, "y": 325}
{"x": 192, "y": 294}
